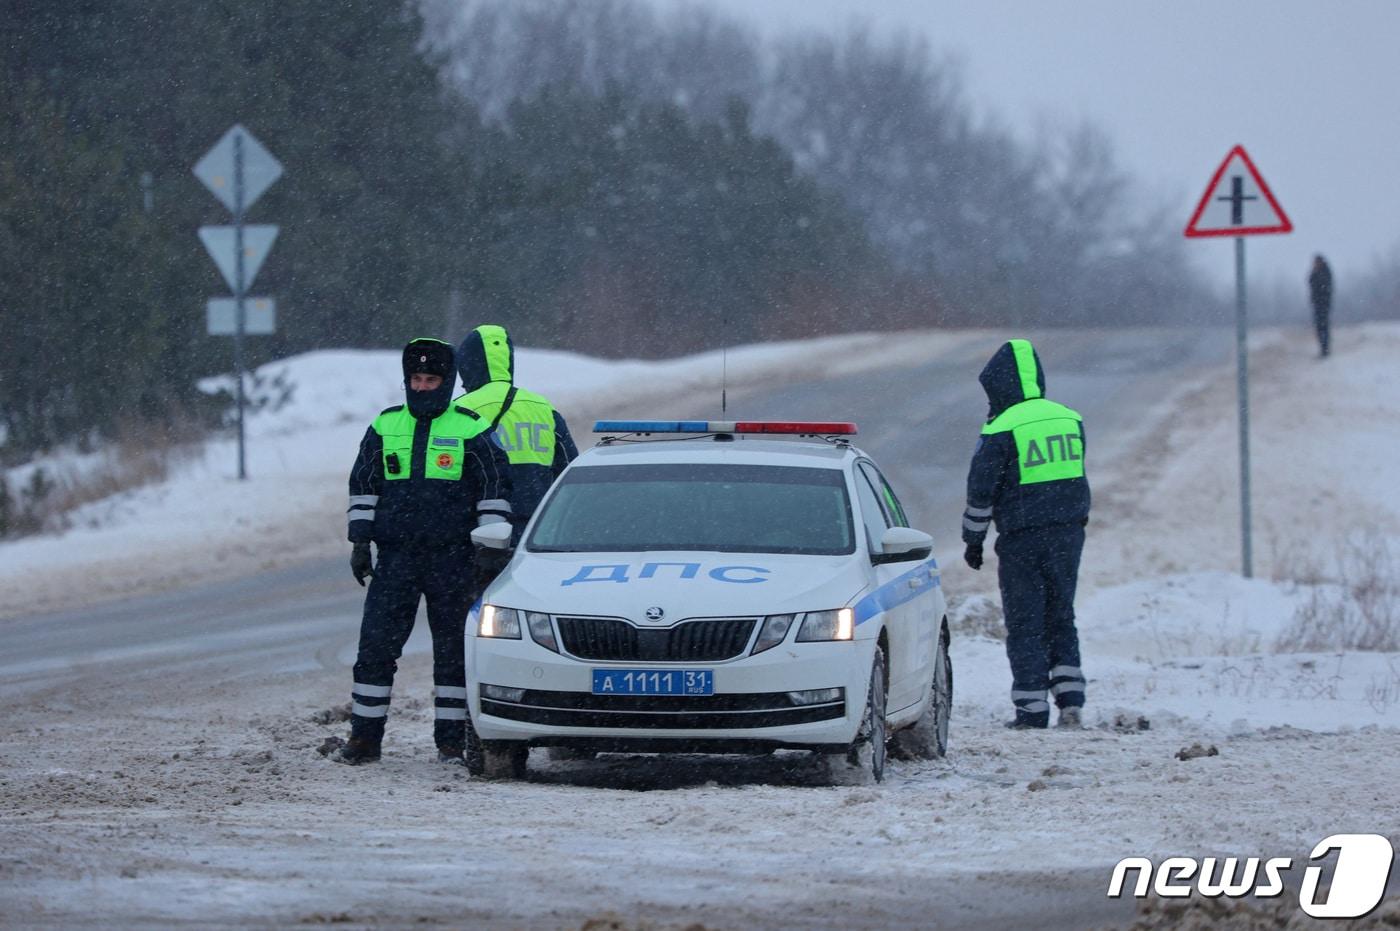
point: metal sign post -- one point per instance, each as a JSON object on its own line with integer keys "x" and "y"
{"x": 238, "y": 288}
{"x": 237, "y": 170}
{"x": 1242, "y": 392}
{"x": 1238, "y": 203}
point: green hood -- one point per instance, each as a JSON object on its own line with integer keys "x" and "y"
{"x": 486, "y": 355}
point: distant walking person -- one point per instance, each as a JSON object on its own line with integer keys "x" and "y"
{"x": 1320, "y": 290}
{"x": 1028, "y": 475}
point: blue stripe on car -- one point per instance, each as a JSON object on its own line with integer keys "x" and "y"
{"x": 898, "y": 591}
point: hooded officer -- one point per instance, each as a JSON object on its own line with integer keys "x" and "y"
{"x": 426, "y": 476}
{"x": 525, "y": 425}
{"x": 1027, "y": 475}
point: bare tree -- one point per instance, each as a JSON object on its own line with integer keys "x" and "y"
{"x": 496, "y": 51}
{"x": 983, "y": 225}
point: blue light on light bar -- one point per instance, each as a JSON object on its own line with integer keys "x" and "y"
{"x": 800, "y": 427}
{"x": 656, "y": 426}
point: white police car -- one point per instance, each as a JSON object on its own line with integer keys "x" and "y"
{"x": 700, "y": 587}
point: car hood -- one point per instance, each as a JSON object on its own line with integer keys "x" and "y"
{"x": 681, "y": 585}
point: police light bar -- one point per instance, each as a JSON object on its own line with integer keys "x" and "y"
{"x": 805, "y": 427}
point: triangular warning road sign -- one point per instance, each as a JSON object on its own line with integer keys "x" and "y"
{"x": 1237, "y": 202}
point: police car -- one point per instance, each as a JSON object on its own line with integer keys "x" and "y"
{"x": 713, "y": 587}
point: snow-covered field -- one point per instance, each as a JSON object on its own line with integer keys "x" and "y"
{"x": 192, "y": 792}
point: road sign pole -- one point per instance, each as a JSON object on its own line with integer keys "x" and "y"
{"x": 1238, "y": 203}
{"x": 1242, "y": 367}
{"x": 238, "y": 250}
{"x": 238, "y": 291}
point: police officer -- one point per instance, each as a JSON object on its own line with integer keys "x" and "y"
{"x": 525, "y": 425}
{"x": 1028, "y": 475}
{"x": 425, "y": 476}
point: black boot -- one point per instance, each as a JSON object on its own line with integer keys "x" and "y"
{"x": 357, "y": 750}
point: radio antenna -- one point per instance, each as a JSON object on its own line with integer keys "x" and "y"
{"x": 724, "y": 381}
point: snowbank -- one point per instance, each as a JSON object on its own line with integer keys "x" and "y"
{"x": 1324, "y": 437}
{"x": 1201, "y": 652}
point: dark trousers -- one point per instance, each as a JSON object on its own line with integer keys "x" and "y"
{"x": 1038, "y": 570}
{"x": 1322, "y": 320}
{"x": 443, "y": 577}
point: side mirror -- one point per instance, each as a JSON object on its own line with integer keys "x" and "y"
{"x": 493, "y": 536}
{"x": 902, "y": 544}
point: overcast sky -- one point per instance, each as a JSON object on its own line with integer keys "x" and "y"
{"x": 1309, "y": 88}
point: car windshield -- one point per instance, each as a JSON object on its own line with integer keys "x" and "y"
{"x": 729, "y": 508}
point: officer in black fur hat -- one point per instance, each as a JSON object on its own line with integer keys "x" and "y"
{"x": 426, "y": 475}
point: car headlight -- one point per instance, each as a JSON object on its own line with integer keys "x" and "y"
{"x": 774, "y": 631}
{"x": 498, "y": 622}
{"x": 541, "y": 630}
{"x": 827, "y": 625}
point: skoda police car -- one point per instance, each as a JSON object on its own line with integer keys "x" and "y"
{"x": 713, "y": 587}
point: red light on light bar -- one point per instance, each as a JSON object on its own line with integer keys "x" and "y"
{"x": 797, "y": 426}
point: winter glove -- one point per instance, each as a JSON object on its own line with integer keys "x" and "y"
{"x": 486, "y": 565}
{"x": 973, "y": 555}
{"x": 360, "y": 563}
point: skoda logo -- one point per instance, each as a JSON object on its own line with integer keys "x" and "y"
{"x": 654, "y": 613}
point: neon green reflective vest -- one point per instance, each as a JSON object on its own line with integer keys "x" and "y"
{"x": 447, "y": 442}
{"x": 525, "y": 431}
{"x": 1049, "y": 439}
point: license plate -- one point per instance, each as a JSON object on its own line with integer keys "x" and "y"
{"x": 653, "y": 682}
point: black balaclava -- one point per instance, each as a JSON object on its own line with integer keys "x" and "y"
{"x": 433, "y": 357}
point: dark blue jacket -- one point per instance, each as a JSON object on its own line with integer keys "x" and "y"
{"x": 995, "y": 491}
{"x": 447, "y": 478}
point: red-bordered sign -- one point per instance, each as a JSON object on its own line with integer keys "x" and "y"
{"x": 1238, "y": 202}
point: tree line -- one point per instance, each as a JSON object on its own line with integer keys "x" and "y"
{"x": 595, "y": 175}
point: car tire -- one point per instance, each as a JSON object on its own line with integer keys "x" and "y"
{"x": 927, "y": 738}
{"x": 864, "y": 761}
{"x": 495, "y": 759}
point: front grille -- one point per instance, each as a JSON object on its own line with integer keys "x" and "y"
{"x": 599, "y": 638}
{"x": 612, "y": 639}
{"x": 697, "y": 712}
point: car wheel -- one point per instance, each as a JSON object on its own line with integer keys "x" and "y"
{"x": 943, "y": 693}
{"x": 504, "y": 759}
{"x": 864, "y": 761}
{"x": 927, "y": 738}
{"x": 495, "y": 759}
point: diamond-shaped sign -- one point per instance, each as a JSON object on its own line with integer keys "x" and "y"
{"x": 217, "y": 168}
{"x": 220, "y": 242}
{"x": 259, "y": 316}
